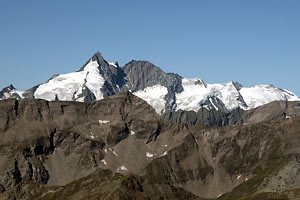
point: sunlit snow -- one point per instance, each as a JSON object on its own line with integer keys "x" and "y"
{"x": 104, "y": 162}
{"x": 154, "y": 96}
{"x": 113, "y": 64}
{"x": 262, "y": 94}
{"x": 92, "y": 136}
{"x": 123, "y": 168}
{"x": 132, "y": 132}
{"x": 11, "y": 92}
{"x": 194, "y": 94}
{"x": 113, "y": 152}
{"x": 103, "y": 121}
{"x": 68, "y": 87}
{"x": 149, "y": 155}
{"x": 165, "y": 153}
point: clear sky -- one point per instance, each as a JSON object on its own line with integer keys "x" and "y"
{"x": 249, "y": 41}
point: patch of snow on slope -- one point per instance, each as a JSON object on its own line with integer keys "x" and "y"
{"x": 103, "y": 121}
{"x": 191, "y": 95}
{"x": 92, "y": 136}
{"x": 154, "y": 96}
{"x": 113, "y": 64}
{"x": 104, "y": 162}
{"x": 194, "y": 93}
{"x": 69, "y": 86}
{"x": 94, "y": 80}
{"x": 165, "y": 153}
{"x": 123, "y": 168}
{"x": 149, "y": 155}
{"x": 132, "y": 132}
{"x": 113, "y": 152}
{"x": 20, "y": 93}
{"x": 263, "y": 94}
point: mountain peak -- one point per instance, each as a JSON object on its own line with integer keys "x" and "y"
{"x": 96, "y": 57}
{"x": 10, "y": 87}
{"x": 237, "y": 85}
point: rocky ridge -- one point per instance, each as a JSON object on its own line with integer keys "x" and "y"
{"x": 54, "y": 147}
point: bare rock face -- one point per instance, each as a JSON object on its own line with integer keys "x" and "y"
{"x": 143, "y": 74}
{"x": 120, "y": 148}
{"x": 212, "y": 117}
{"x": 44, "y": 137}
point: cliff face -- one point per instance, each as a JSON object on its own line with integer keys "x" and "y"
{"x": 48, "y": 149}
{"x": 58, "y": 142}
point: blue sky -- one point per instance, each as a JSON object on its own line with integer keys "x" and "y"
{"x": 249, "y": 41}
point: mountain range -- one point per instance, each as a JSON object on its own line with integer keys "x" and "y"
{"x": 166, "y": 92}
{"x": 135, "y": 132}
{"x": 120, "y": 148}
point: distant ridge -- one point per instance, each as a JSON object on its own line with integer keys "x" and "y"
{"x": 166, "y": 92}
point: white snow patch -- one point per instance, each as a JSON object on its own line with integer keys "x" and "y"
{"x": 112, "y": 64}
{"x": 132, "y": 132}
{"x": 122, "y": 168}
{"x": 105, "y": 150}
{"x": 149, "y": 155}
{"x": 104, "y": 162}
{"x": 103, "y": 121}
{"x": 92, "y": 136}
{"x": 113, "y": 152}
{"x": 94, "y": 80}
{"x": 239, "y": 176}
{"x": 288, "y": 117}
{"x": 165, "y": 153}
{"x": 164, "y": 145}
{"x": 246, "y": 179}
{"x": 154, "y": 96}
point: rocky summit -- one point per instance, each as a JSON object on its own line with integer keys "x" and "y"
{"x": 121, "y": 148}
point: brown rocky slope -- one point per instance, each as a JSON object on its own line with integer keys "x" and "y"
{"x": 58, "y": 146}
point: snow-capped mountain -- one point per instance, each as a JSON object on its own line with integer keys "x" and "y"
{"x": 10, "y": 92}
{"x": 98, "y": 79}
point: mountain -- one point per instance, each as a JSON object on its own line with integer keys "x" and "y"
{"x": 120, "y": 148}
{"x": 166, "y": 92}
{"x": 267, "y": 112}
{"x": 10, "y": 92}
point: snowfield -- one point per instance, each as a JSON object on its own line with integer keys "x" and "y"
{"x": 69, "y": 87}
{"x": 154, "y": 96}
{"x": 196, "y": 91}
